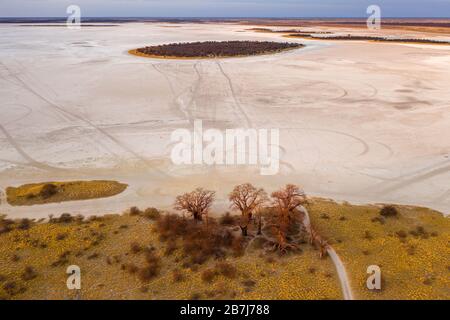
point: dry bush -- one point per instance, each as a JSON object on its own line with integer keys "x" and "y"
{"x": 12, "y": 288}
{"x": 420, "y": 232}
{"x": 227, "y": 220}
{"x": 198, "y": 242}
{"x": 151, "y": 214}
{"x": 93, "y": 256}
{"x": 62, "y": 259}
{"x": 24, "y": 224}
{"x": 135, "y": 248}
{"x": 48, "y": 190}
{"x": 148, "y": 273}
{"x": 368, "y": 235}
{"x": 401, "y": 234}
{"x": 177, "y": 275}
{"x": 171, "y": 247}
{"x": 195, "y": 296}
{"x": 237, "y": 247}
{"x": 325, "y": 216}
{"x": 209, "y": 275}
{"x": 28, "y": 274}
{"x": 65, "y": 218}
{"x": 388, "y": 211}
{"x": 249, "y": 283}
{"x": 226, "y": 269}
{"x": 172, "y": 226}
{"x": 61, "y": 236}
{"x": 5, "y": 224}
{"x": 151, "y": 270}
{"x": 134, "y": 211}
{"x": 130, "y": 268}
{"x": 381, "y": 220}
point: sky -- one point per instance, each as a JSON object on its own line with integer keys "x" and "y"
{"x": 225, "y": 8}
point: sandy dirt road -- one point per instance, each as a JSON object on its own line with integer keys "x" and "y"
{"x": 347, "y": 291}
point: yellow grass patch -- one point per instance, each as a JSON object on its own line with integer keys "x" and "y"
{"x": 412, "y": 249}
{"x": 102, "y": 246}
{"x": 35, "y": 193}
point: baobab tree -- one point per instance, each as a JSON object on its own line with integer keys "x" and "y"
{"x": 317, "y": 241}
{"x": 286, "y": 201}
{"x": 247, "y": 199}
{"x": 197, "y": 202}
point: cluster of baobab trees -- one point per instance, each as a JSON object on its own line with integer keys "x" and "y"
{"x": 249, "y": 200}
{"x": 217, "y": 48}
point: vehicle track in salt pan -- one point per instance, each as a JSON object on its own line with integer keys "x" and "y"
{"x": 72, "y": 115}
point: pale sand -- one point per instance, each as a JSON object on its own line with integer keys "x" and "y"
{"x": 363, "y": 122}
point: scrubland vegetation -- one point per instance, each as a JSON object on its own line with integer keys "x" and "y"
{"x": 148, "y": 254}
{"x": 260, "y": 251}
{"x": 47, "y": 192}
{"x": 212, "y": 49}
{"x": 409, "y": 244}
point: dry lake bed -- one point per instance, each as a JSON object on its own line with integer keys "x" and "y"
{"x": 359, "y": 121}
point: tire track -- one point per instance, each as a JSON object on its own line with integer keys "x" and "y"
{"x": 25, "y": 155}
{"x": 242, "y": 113}
{"x": 84, "y": 120}
{"x": 415, "y": 179}
{"x": 194, "y": 89}
{"x": 187, "y": 114}
{"x": 443, "y": 196}
{"x": 22, "y": 116}
{"x": 363, "y": 143}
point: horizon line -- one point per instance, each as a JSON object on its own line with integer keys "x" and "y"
{"x": 218, "y": 17}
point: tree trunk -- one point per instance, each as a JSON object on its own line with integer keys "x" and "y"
{"x": 244, "y": 230}
{"x": 259, "y": 225}
{"x": 197, "y": 216}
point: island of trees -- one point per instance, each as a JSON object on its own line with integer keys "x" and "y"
{"x": 215, "y": 49}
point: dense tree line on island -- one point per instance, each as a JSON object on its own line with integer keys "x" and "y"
{"x": 366, "y": 38}
{"x": 217, "y": 49}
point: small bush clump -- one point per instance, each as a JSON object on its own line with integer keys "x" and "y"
{"x": 134, "y": 211}
{"x": 48, "y": 190}
{"x": 135, "y": 248}
{"x": 24, "y": 224}
{"x": 151, "y": 214}
{"x": 28, "y": 274}
{"x": 227, "y": 220}
{"x": 198, "y": 242}
{"x": 209, "y": 275}
{"x": 64, "y": 218}
{"x": 388, "y": 211}
{"x": 226, "y": 269}
{"x": 5, "y": 224}
{"x": 151, "y": 270}
{"x": 177, "y": 275}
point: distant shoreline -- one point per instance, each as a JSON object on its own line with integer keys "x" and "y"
{"x": 388, "y": 21}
